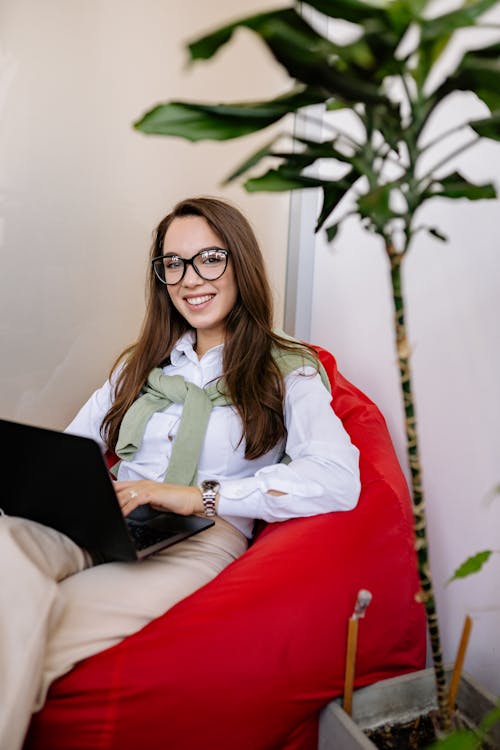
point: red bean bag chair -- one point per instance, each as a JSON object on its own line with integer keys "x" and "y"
{"x": 249, "y": 660}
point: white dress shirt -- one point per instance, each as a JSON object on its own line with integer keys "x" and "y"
{"x": 323, "y": 474}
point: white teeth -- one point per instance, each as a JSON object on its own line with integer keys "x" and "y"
{"x": 199, "y": 300}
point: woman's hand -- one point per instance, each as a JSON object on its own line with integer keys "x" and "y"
{"x": 173, "y": 497}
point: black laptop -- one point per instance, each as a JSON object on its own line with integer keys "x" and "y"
{"x": 62, "y": 481}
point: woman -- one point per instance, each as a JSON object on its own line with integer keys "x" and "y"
{"x": 244, "y": 397}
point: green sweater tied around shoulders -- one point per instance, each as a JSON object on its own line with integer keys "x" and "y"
{"x": 160, "y": 391}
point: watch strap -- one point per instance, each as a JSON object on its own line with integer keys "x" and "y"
{"x": 209, "y": 489}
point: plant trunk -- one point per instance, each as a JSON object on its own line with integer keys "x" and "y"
{"x": 421, "y": 544}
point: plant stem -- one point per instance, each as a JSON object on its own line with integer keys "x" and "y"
{"x": 421, "y": 543}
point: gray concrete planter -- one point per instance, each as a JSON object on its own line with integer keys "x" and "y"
{"x": 397, "y": 700}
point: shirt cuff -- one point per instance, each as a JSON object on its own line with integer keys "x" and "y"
{"x": 242, "y": 497}
{"x": 249, "y": 497}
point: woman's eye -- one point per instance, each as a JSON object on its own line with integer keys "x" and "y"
{"x": 172, "y": 263}
{"x": 212, "y": 257}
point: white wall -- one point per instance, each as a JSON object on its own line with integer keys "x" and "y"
{"x": 80, "y": 190}
{"x": 453, "y": 301}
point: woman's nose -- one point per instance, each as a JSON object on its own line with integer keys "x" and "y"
{"x": 191, "y": 278}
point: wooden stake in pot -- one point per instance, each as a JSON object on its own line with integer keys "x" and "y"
{"x": 363, "y": 600}
{"x": 459, "y": 663}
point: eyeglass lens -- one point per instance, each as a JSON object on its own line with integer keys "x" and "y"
{"x": 209, "y": 264}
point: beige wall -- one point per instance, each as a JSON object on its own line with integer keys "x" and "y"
{"x": 80, "y": 190}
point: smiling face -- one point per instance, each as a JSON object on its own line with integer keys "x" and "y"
{"x": 205, "y": 305}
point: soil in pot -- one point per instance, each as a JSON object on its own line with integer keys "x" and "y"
{"x": 413, "y": 735}
{"x": 416, "y": 734}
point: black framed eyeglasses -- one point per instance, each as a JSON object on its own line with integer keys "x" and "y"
{"x": 210, "y": 263}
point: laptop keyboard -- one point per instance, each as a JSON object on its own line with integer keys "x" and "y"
{"x": 144, "y": 535}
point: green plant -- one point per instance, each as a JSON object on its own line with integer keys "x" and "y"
{"x": 469, "y": 739}
{"x": 474, "y": 563}
{"x": 384, "y": 77}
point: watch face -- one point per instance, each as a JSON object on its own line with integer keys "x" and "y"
{"x": 210, "y": 484}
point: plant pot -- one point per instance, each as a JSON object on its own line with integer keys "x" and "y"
{"x": 395, "y": 701}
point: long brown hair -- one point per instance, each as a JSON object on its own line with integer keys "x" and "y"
{"x": 251, "y": 377}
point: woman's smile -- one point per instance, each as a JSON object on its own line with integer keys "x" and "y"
{"x": 199, "y": 301}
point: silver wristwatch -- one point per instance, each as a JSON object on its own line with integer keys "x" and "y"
{"x": 209, "y": 489}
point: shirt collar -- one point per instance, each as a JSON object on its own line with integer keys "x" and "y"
{"x": 185, "y": 348}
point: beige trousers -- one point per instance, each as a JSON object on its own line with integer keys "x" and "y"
{"x": 55, "y": 609}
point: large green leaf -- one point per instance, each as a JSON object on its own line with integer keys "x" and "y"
{"x": 467, "y": 15}
{"x": 268, "y": 24}
{"x": 382, "y": 44}
{"x": 470, "y": 739}
{"x": 323, "y": 149}
{"x": 462, "y": 739}
{"x": 206, "y": 46}
{"x": 275, "y": 28}
{"x": 488, "y": 127}
{"x": 355, "y": 11}
{"x": 295, "y": 159}
{"x": 457, "y": 186}
{"x": 428, "y": 53}
{"x": 388, "y": 20}
{"x": 252, "y": 160}
{"x": 333, "y": 192}
{"x": 196, "y": 122}
{"x": 491, "y": 718}
{"x": 331, "y": 231}
{"x": 477, "y": 71}
{"x": 278, "y": 180}
{"x": 471, "y": 565}
{"x": 436, "y": 32}
{"x": 382, "y": 25}
{"x": 272, "y": 26}
{"x": 404, "y": 12}
{"x": 308, "y": 152}
{"x": 289, "y": 175}
{"x": 375, "y": 206}
{"x": 387, "y": 121}
{"x": 490, "y": 52}
{"x": 306, "y": 55}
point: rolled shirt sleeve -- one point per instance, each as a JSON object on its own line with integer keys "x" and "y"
{"x": 323, "y": 473}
